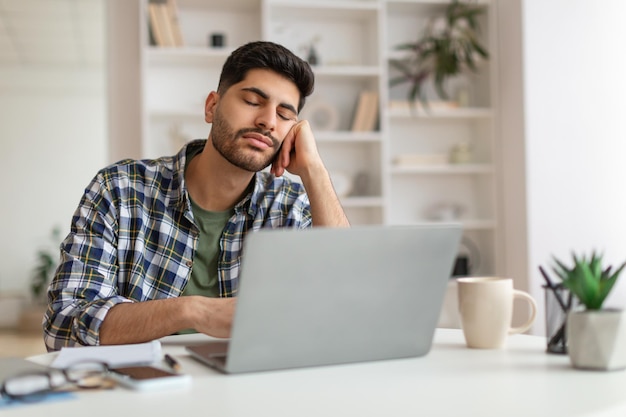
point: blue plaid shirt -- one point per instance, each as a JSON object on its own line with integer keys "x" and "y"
{"x": 133, "y": 238}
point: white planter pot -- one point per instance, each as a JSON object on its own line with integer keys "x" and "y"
{"x": 597, "y": 339}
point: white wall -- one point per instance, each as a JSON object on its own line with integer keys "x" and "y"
{"x": 575, "y": 98}
{"x": 52, "y": 140}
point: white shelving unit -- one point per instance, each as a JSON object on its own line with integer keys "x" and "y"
{"x": 354, "y": 41}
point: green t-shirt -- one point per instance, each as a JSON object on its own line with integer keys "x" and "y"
{"x": 204, "y": 272}
{"x": 203, "y": 280}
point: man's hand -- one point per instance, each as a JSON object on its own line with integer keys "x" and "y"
{"x": 214, "y": 316}
{"x": 298, "y": 153}
{"x": 150, "y": 320}
{"x": 300, "y": 157}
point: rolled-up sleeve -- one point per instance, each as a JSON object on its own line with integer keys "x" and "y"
{"x": 84, "y": 287}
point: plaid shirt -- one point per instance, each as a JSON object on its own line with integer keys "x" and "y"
{"x": 133, "y": 238}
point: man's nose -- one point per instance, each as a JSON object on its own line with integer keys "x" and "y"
{"x": 266, "y": 119}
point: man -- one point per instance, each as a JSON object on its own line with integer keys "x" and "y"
{"x": 155, "y": 246}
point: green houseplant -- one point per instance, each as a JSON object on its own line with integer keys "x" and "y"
{"x": 448, "y": 47}
{"x": 47, "y": 260}
{"x": 596, "y": 335}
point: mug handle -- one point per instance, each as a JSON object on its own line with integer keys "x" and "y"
{"x": 533, "y": 312}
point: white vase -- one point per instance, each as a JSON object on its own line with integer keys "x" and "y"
{"x": 597, "y": 339}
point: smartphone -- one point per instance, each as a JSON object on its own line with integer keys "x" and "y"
{"x": 149, "y": 378}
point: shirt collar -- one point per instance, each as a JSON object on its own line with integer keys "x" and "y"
{"x": 180, "y": 195}
{"x": 249, "y": 202}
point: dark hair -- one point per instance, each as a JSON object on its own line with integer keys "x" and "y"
{"x": 267, "y": 55}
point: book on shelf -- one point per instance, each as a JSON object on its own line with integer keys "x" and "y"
{"x": 359, "y": 114}
{"x": 371, "y": 117}
{"x": 156, "y": 26}
{"x": 164, "y": 25}
{"x": 151, "y": 38}
{"x": 167, "y": 24}
{"x": 172, "y": 8}
{"x": 366, "y": 113}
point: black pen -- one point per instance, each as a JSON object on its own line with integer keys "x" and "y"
{"x": 172, "y": 362}
{"x": 554, "y": 290}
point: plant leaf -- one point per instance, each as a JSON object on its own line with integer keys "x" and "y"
{"x": 441, "y": 53}
{"x": 606, "y": 285}
{"x": 588, "y": 280}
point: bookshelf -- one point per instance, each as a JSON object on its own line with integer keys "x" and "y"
{"x": 353, "y": 41}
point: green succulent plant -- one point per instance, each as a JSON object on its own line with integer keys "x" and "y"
{"x": 588, "y": 279}
{"x": 449, "y": 46}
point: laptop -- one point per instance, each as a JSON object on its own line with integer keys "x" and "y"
{"x": 326, "y": 296}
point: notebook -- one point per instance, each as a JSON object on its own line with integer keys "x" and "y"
{"x": 115, "y": 356}
{"x": 327, "y": 296}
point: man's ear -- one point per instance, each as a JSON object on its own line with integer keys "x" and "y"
{"x": 209, "y": 106}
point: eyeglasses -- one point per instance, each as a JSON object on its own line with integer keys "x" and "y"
{"x": 32, "y": 386}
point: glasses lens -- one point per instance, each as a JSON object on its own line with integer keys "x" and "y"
{"x": 29, "y": 384}
{"x": 87, "y": 375}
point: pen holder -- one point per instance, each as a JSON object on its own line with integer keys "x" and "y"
{"x": 559, "y": 301}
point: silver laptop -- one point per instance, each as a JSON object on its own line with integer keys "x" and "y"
{"x": 327, "y": 296}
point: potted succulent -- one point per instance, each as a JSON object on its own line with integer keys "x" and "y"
{"x": 448, "y": 47}
{"x": 596, "y": 336}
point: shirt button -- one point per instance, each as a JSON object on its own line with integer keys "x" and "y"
{"x": 189, "y": 264}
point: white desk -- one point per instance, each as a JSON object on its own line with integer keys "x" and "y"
{"x": 452, "y": 380}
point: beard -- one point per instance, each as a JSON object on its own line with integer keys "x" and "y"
{"x": 225, "y": 139}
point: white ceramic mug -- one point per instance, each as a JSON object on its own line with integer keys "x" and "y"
{"x": 486, "y": 310}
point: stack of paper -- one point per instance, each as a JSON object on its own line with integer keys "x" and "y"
{"x": 114, "y": 355}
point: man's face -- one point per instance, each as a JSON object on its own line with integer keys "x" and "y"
{"x": 251, "y": 119}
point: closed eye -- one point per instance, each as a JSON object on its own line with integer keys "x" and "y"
{"x": 286, "y": 117}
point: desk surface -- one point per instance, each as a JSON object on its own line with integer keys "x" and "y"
{"x": 452, "y": 380}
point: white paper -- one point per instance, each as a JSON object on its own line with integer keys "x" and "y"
{"x": 114, "y": 355}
